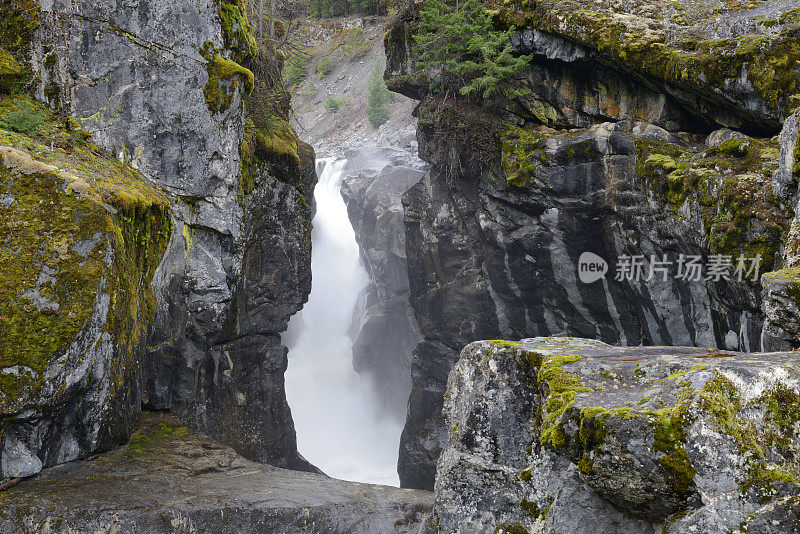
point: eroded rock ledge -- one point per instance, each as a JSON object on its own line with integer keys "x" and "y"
{"x": 172, "y": 479}
{"x": 562, "y": 435}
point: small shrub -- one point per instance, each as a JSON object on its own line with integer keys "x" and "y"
{"x": 460, "y": 40}
{"x": 378, "y": 97}
{"x": 356, "y": 45}
{"x": 323, "y": 66}
{"x": 25, "y": 120}
{"x": 335, "y": 104}
{"x": 296, "y": 67}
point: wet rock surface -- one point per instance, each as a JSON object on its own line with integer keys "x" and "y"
{"x": 565, "y": 435}
{"x": 383, "y": 326}
{"x": 490, "y": 258}
{"x": 172, "y": 479}
{"x": 144, "y": 80}
{"x": 623, "y": 145}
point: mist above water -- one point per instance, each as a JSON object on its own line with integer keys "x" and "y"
{"x": 339, "y": 422}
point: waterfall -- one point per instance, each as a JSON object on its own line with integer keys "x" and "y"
{"x": 338, "y": 420}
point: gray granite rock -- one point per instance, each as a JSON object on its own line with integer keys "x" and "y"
{"x": 717, "y": 137}
{"x": 384, "y": 330}
{"x": 563, "y": 435}
{"x": 171, "y": 479}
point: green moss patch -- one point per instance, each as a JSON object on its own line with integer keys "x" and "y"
{"x": 224, "y": 76}
{"x": 10, "y": 73}
{"x": 18, "y": 22}
{"x": 767, "y": 449}
{"x": 729, "y": 188}
{"x": 75, "y": 222}
{"x": 560, "y": 388}
{"x": 764, "y": 429}
{"x": 150, "y": 440}
{"x": 236, "y": 30}
{"x": 522, "y": 149}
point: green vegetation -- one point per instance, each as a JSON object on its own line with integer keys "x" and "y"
{"x": 236, "y": 30}
{"x": 296, "y": 67}
{"x": 147, "y": 441}
{"x": 522, "y": 150}
{"x": 334, "y": 104}
{"x": 10, "y": 73}
{"x": 765, "y": 442}
{"x": 323, "y": 66}
{"x": 378, "y": 97}
{"x": 728, "y": 187}
{"x": 27, "y": 118}
{"x": 356, "y": 44}
{"x": 270, "y": 145}
{"x": 18, "y": 20}
{"x": 472, "y": 56}
{"x": 562, "y": 386}
{"x": 223, "y": 79}
{"x": 54, "y": 242}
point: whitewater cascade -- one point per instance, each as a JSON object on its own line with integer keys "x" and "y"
{"x": 339, "y": 424}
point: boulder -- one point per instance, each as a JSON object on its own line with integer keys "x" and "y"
{"x": 81, "y": 238}
{"x": 172, "y": 479}
{"x": 565, "y": 435}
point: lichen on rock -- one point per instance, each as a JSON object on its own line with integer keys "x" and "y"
{"x": 82, "y": 236}
{"x": 673, "y": 437}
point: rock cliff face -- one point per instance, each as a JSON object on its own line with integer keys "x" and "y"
{"x": 161, "y": 86}
{"x": 565, "y": 435}
{"x": 608, "y": 152}
{"x": 81, "y": 239}
{"x": 383, "y": 325}
{"x": 172, "y": 479}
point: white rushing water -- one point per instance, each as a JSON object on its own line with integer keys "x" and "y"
{"x": 339, "y": 425}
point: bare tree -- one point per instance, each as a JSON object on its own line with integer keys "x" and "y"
{"x": 261, "y": 19}
{"x": 272, "y": 20}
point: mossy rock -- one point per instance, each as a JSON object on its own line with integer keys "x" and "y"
{"x": 18, "y": 21}
{"x": 10, "y": 73}
{"x": 522, "y": 149}
{"x": 729, "y": 188}
{"x": 648, "y": 40}
{"x": 224, "y": 77}
{"x": 236, "y": 30}
{"x": 81, "y": 238}
{"x": 635, "y": 421}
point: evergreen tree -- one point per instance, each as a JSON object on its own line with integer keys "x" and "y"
{"x": 378, "y": 98}
{"x": 462, "y": 43}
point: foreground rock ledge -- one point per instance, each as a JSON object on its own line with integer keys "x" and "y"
{"x": 571, "y": 436}
{"x": 172, "y": 479}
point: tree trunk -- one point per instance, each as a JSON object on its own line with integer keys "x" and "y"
{"x": 260, "y": 19}
{"x": 272, "y": 20}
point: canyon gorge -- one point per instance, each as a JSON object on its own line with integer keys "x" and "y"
{"x": 231, "y": 302}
